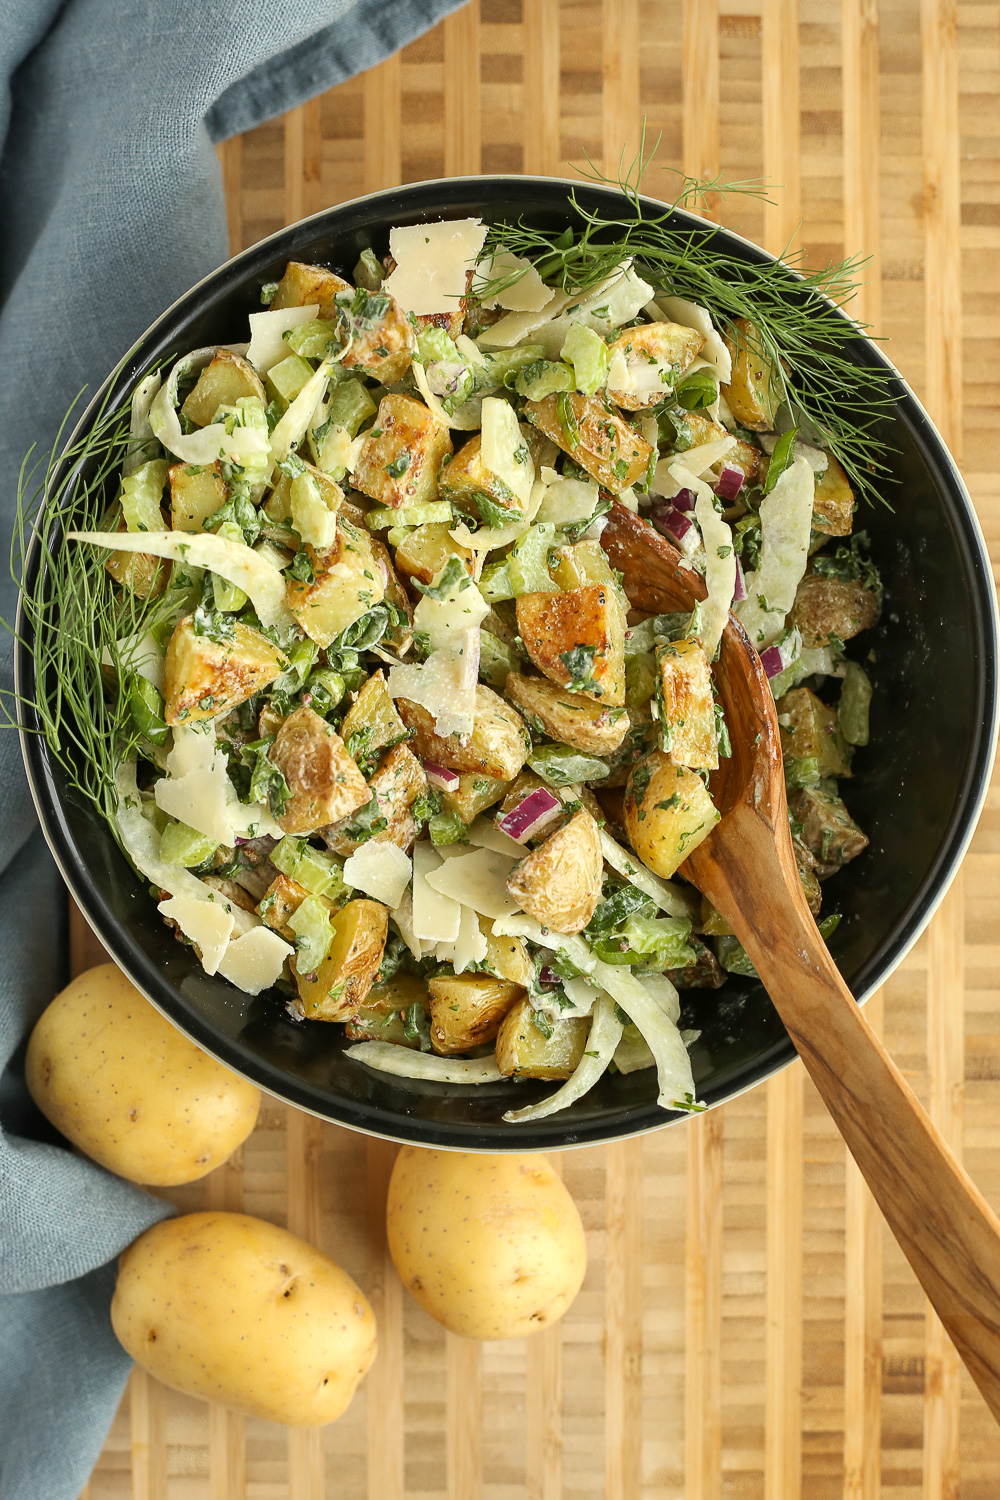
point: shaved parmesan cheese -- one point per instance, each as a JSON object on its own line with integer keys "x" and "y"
{"x": 198, "y": 792}
{"x": 581, "y": 993}
{"x": 618, "y": 300}
{"x": 693, "y": 315}
{"x": 294, "y": 423}
{"x": 436, "y": 917}
{"x": 240, "y": 446}
{"x": 432, "y": 262}
{"x": 267, "y": 345}
{"x": 785, "y": 521}
{"x": 527, "y": 294}
{"x": 478, "y": 880}
{"x": 254, "y": 961}
{"x": 445, "y": 684}
{"x": 233, "y": 561}
{"x": 404, "y": 1063}
{"x": 469, "y": 947}
{"x": 486, "y": 835}
{"x": 206, "y": 923}
{"x": 403, "y": 918}
{"x": 720, "y": 559}
{"x": 504, "y": 452}
{"x": 518, "y": 326}
{"x": 618, "y": 372}
{"x": 381, "y": 870}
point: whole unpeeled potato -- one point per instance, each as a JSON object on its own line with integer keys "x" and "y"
{"x": 231, "y": 1309}
{"x": 490, "y": 1246}
{"x": 129, "y": 1089}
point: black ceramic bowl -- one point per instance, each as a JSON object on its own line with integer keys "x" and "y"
{"x": 917, "y": 790}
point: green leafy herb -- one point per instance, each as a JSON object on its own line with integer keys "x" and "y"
{"x": 579, "y": 663}
{"x": 697, "y": 390}
{"x": 366, "y": 822}
{"x": 852, "y": 563}
{"x": 453, "y": 576}
{"x": 301, "y": 567}
{"x": 267, "y": 782}
{"x": 782, "y": 456}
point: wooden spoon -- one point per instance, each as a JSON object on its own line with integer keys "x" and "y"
{"x": 746, "y": 868}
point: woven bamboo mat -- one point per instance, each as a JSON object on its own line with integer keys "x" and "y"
{"x": 747, "y": 1328}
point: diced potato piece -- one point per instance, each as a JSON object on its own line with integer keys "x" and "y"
{"x": 665, "y": 344}
{"x": 701, "y": 429}
{"x": 811, "y": 731}
{"x": 466, "y": 476}
{"x": 524, "y": 1051}
{"x": 833, "y": 503}
{"x": 577, "y": 638}
{"x": 828, "y": 830}
{"x": 497, "y": 747}
{"x": 594, "y": 436}
{"x": 754, "y": 393}
{"x": 144, "y": 575}
{"x": 668, "y": 812}
{"x": 348, "y": 583}
{"x": 278, "y": 505}
{"x": 380, "y": 1019}
{"x": 324, "y": 782}
{"x": 559, "y": 883}
{"x": 383, "y": 340}
{"x": 396, "y": 785}
{"x": 346, "y": 975}
{"x": 195, "y": 494}
{"x": 400, "y": 636}
{"x": 566, "y": 716}
{"x": 466, "y": 1009}
{"x": 808, "y": 879}
{"x": 372, "y": 724}
{"x": 204, "y": 678}
{"x": 587, "y": 562}
{"x": 425, "y": 551}
{"x": 507, "y": 957}
{"x": 687, "y": 725}
{"x": 474, "y": 795}
{"x": 280, "y": 901}
{"x": 401, "y": 455}
{"x": 832, "y": 607}
{"x": 302, "y": 285}
{"x": 223, "y": 382}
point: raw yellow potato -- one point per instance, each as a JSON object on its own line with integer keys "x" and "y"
{"x": 497, "y": 747}
{"x": 687, "y": 725}
{"x": 754, "y": 393}
{"x": 668, "y": 812}
{"x": 129, "y": 1089}
{"x": 833, "y": 501}
{"x": 223, "y": 382}
{"x": 490, "y": 1246}
{"x": 566, "y": 716}
{"x": 399, "y": 461}
{"x": 594, "y": 436}
{"x": 577, "y": 638}
{"x": 324, "y": 782}
{"x": 466, "y": 1009}
{"x": 196, "y": 492}
{"x": 348, "y": 583}
{"x": 524, "y": 1051}
{"x": 230, "y": 1309}
{"x": 559, "y": 884}
{"x": 657, "y": 354}
{"x": 203, "y": 678}
{"x": 346, "y": 974}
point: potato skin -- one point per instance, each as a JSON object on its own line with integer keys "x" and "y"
{"x": 559, "y": 884}
{"x": 203, "y": 678}
{"x": 668, "y": 812}
{"x": 497, "y": 747}
{"x": 552, "y": 625}
{"x": 755, "y": 392}
{"x": 567, "y": 716}
{"x": 606, "y": 446}
{"x": 826, "y": 607}
{"x": 129, "y": 1089}
{"x": 523, "y": 1052}
{"x": 347, "y": 973}
{"x": 466, "y": 1009}
{"x": 324, "y": 781}
{"x": 665, "y": 343}
{"x": 490, "y": 1246}
{"x": 231, "y": 1309}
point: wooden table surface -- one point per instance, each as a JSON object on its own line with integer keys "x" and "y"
{"x": 747, "y": 1328}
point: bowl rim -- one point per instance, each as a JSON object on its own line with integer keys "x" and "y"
{"x": 886, "y": 958}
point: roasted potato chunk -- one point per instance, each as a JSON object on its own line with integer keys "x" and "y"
{"x": 828, "y": 830}
{"x": 223, "y": 382}
{"x": 278, "y": 505}
{"x": 196, "y": 492}
{"x": 559, "y": 884}
{"x": 346, "y": 975}
{"x": 755, "y": 391}
{"x": 396, "y": 785}
{"x": 638, "y": 741}
{"x": 372, "y": 724}
{"x": 144, "y": 575}
{"x": 832, "y": 608}
{"x": 687, "y": 707}
{"x": 425, "y": 551}
{"x": 656, "y": 356}
{"x": 696, "y": 428}
{"x": 466, "y": 477}
{"x": 474, "y": 795}
{"x": 577, "y": 638}
{"x": 380, "y": 1016}
{"x": 524, "y": 1051}
{"x": 203, "y": 678}
{"x": 594, "y": 436}
{"x": 324, "y": 781}
{"x": 668, "y": 812}
{"x": 400, "y": 634}
{"x": 811, "y": 731}
{"x": 833, "y": 502}
{"x": 507, "y": 957}
{"x": 280, "y": 901}
{"x": 302, "y": 285}
{"x": 497, "y": 747}
{"x": 466, "y": 1009}
{"x": 402, "y": 453}
{"x": 569, "y": 717}
{"x": 382, "y": 339}
{"x": 348, "y": 583}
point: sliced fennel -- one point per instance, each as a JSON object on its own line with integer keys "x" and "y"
{"x": 720, "y": 560}
{"x": 602, "y": 1039}
{"x": 241, "y": 446}
{"x": 785, "y": 519}
{"x": 385, "y": 1057}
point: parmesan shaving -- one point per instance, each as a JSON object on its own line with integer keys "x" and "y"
{"x": 268, "y": 346}
{"x": 436, "y": 917}
{"x": 208, "y": 925}
{"x": 527, "y": 294}
{"x": 478, "y": 880}
{"x": 432, "y": 263}
{"x": 381, "y": 870}
{"x": 254, "y": 961}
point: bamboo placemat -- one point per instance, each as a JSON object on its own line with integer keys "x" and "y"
{"x": 747, "y": 1328}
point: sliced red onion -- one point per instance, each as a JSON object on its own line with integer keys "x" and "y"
{"x": 771, "y": 661}
{"x": 441, "y": 777}
{"x": 532, "y": 813}
{"x": 548, "y": 978}
{"x": 684, "y": 500}
{"x": 669, "y": 521}
{"x": 740, "y": 591}
{"x": 729, "y": 482}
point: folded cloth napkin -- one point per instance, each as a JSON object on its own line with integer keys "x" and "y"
{"x": 110, "y": 207}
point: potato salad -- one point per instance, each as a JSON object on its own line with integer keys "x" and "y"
{"x": 402, "y": 753}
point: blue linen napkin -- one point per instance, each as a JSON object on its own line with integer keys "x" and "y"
{"x": 110, "y": 207}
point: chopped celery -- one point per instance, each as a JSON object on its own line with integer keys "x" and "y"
{"x": 588, "y": 354}
{"x": 326, "y": 689}
{"x": 528, "y": 563}
{"x": 145, "y": 704}
{"x": 312, "y": 518}
{"x": 855, "y": 698}
{"x": 801, "y": 772}
{"x": 349, "y": 406}
{"x": 369, "y": 272}
{"x": 313, "y": 340}
{"x": 397, "y": 536}
{"x": 227, "y": 595}
{"x": 435, "y": 344}
{"x": 495, "y": 660}
{"x": 542, "y": 378}
{"x": 301, "y": 656}
{"x": 433, "y": 512}
{"x": 181, "y": 845}
{"x": 446, "y": 828}
{"x": 495, "y": 584}
{"x": 501, "y": 363}
{"x": 640, "y": 678}
{"x": 733, "y": 956}
{"x": 287, "y": 378}
{"x": 142, "y": 491}
{"x": 313, "y": 934}
{"x": 318, "y": 872}
{"x": 561, "y": 765}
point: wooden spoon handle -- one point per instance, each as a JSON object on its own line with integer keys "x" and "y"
{"x": 947, "y": 1230}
